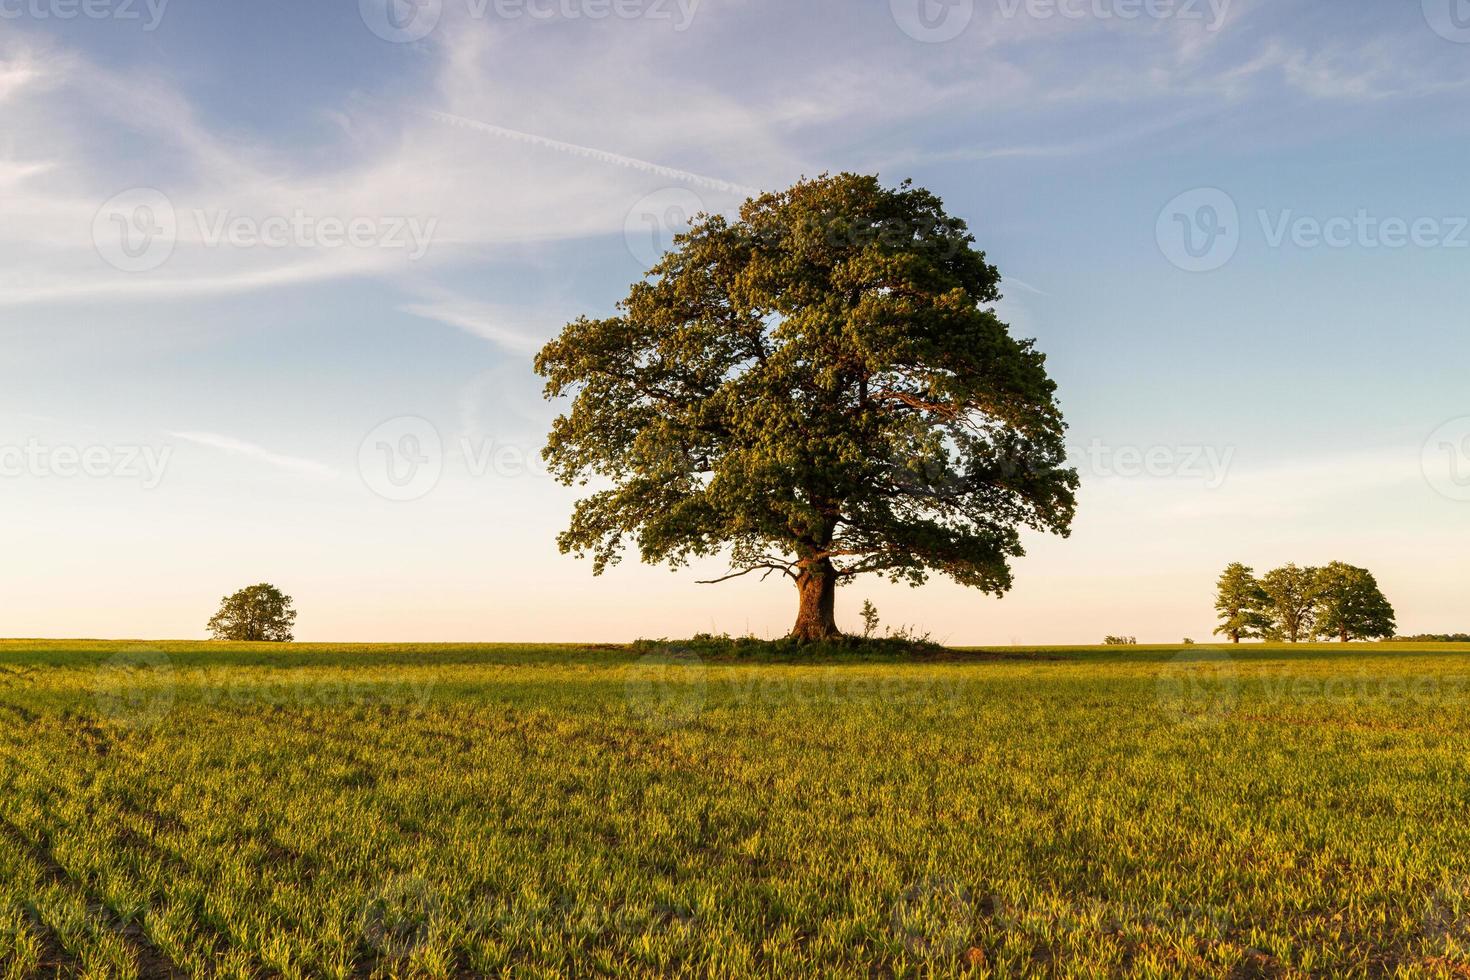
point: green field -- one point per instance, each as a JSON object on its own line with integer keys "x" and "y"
{"x": 184, "y": 809}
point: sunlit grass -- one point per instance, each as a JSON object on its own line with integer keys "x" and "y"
{"x": 218, "y": 810}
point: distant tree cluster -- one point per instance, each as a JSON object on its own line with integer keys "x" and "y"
{"x": 1433, "y": 638}
{"x": 1296, "y": 604}
{"x": 1120, "y": 641}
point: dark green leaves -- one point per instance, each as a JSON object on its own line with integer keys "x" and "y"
{"x": 819, "y": 380}
{"x": 259, "y": 613}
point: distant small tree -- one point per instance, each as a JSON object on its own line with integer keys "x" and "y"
{"x": 260, "y": 613}
{"x": 870, "y": 618}
{"x": 1350, "y": 606}
{"x": 1241, "y": 603}
{"x": 1291, "y": 602}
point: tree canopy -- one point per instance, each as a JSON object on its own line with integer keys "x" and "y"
{"x": 819, "y": 388}
{"x": 1241, "y": 603}
{"x": 258, "y": 613}
{"x": 1291, "y": 601}
{"x": 1350, "y": 606}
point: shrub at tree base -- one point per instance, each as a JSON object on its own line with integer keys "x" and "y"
{"x": 708, "y": 646}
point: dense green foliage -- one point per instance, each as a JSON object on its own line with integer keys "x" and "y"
{"x": 1350, "y": 606}
{"x": 818, "y": 389}
{"x": 256, "y": 614}
{"x": 1339, "y": 601}
{"x": 269, "y": 811}
{"x": 1291, "y": 602}
{"x": 1241, "y": 603}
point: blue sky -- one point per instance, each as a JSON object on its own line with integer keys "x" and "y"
{"x": 183, "y": 304}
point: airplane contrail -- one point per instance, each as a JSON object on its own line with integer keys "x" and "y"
{"x": 616, "y": 159}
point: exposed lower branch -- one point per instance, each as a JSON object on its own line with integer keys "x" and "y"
{"x": 784, "y": 570}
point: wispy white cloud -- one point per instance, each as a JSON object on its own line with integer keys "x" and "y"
{"x": 255, "y": 453}
{"x": 1372, "y": 71}
{"x": 495, "y": 161}
{"x": 500, "y": 325}
{"x": 593, "y": 153}
{"x": 21, "y": 67}
{"x": 399, "y": 162}
{"x": 1021, "y": 283}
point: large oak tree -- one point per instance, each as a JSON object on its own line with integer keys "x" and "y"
{"x": 820, "y": 389}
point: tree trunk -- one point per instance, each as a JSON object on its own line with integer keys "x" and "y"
{"x": 1344, "y": 634}
{"x": 1235, "y": 637}
{"x": 816, "y": 584}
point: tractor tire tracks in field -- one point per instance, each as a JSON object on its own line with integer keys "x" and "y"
{"x": 152, "y": 961}
{"x": 135, "y": 827}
